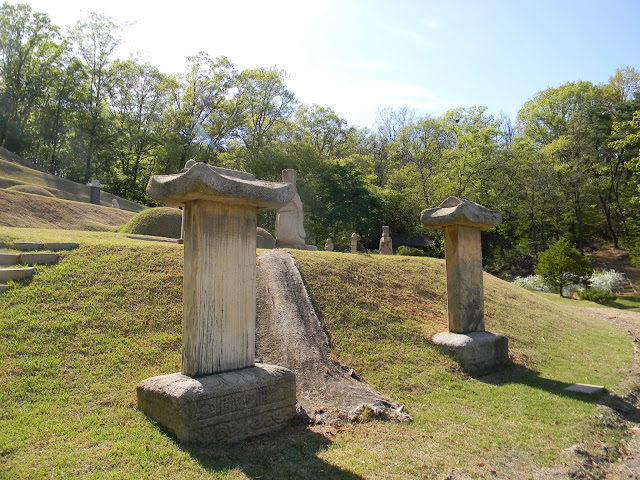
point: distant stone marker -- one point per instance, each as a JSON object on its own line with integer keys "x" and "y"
{"x": 386, "y": 245}
{"x": 290, "y": 218}
{"x": 114, "y": 203}
{"x": 478, "y": 352}
{"x": 220, "y": 395}
{"x": 94, "y": 191}
{"x": 354, "y": 243}
{"x": 328, "y": 245}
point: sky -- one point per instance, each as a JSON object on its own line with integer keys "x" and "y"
{"x": 359, "y": 56}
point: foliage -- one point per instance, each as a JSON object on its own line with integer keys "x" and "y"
{"x": 533, "y": 282}
{"x": 560, "y": 265}
{"x": 606, "y": 280}
{"x": 595, "y": 295}
{"x": 410, "y": 251}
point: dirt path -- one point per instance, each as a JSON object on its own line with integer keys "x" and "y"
{"x": 289, "y": 334}
{"x": 629, "y": 467}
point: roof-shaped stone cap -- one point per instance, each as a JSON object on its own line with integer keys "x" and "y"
{"x": 205, "y": 182}
{"x": 458, "y": 211}
{"x": 95, "y": 183}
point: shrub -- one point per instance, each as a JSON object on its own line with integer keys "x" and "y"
{"x": 594, "y": 295}
{"x": 533, "y": 282}
{"x": 608, "y": 281}
{"x": 560, "y": 266}
{"x": 410, "y": 251}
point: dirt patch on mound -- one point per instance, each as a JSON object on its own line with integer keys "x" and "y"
{"x": 289, "y": 333}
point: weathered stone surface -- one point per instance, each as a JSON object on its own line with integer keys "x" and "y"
{"x": 585, "y": 388}
{"x": 3, "y": 288}
{"x": 221, "y": 185}
{"x": 94, "y": 191}
{"x": 264, "y": 239}
{"x": 465, "y": 291}
{"x": 28, "y": 246}
{"x": 458, "y": 211}
{"x": 114, "y": 203}
{"x": 7, "y": 274}
{"x": 354, "y": 243}
{"x": 386, "y": 245}
{"x": 220, "y": 408}
{"x": 329, "y": 246}
{"x": 58, "y": 246}
{"x": 290, "y": 218}
{"x": 479, "y": 353}
{"x": 39, "y": 258}
{"x": 8, "y": 259}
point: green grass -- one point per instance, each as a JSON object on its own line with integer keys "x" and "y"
{"x": 76, "y": 340}
{"x": 622, "y": 302}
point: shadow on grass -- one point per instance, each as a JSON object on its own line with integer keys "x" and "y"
{"x": 291, "y": 453}
{"x": 626, "y": 407}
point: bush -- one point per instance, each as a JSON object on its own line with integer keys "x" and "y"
{"x": 533, "y": 282}
{"x": 608, "y": 281}
{"x": 410, "y": 251}
{"x": 594, "y": 295}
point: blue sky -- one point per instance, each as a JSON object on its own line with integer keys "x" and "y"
{"x": 356, "y": 56}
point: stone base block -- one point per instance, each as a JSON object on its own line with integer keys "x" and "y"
{"x": 479, "y": 353}
{"x": 223, "y": 407}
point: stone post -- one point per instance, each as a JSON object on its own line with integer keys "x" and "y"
{"x": 478, "y": 351}
{"x": 227, "y": 393}
{"x": 386, "y": 245}
{"x": 94, "y": 191}
{"x": 290, "y": 218}
{"x": 328, "y": 245}
{"x": 354, "y": 243}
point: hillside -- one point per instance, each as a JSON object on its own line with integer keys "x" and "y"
{"x": 15, "y": 170}
{"x": 78, "y": 338}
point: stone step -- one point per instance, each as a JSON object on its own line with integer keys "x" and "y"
{"x": 8, "y": 259}
{"x": 28, "y": 246}
{"x": 39, "y": 258}
{"x": 57, "y": 246}
{"x": 7, "y": 274}
{"x": 3, "y": 288}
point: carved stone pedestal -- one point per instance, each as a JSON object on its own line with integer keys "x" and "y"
{"x": 223, "y": 407}
{"x": 478, "y": 353}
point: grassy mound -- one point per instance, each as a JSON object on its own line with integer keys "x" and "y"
{"x": 78, "y": 338}
{"x": 157, "y": 222}
{"x": 33, "y": 189}
{"x": 29, "y": 211}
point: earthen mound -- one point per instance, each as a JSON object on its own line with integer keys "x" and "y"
{"x": 33, "y": 189}
{"x": 157, "y": 222}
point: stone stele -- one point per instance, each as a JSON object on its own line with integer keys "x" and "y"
{"x": 219, "y": 389}
{"x": 354, "y": 243}
{"x": 462, "y": 221}
{"x": 290, "y": 218}
{"x": 386, "y": 245}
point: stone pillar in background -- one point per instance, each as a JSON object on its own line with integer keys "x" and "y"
{"x": 219, "y": 300}
{"x": 114, "y": 203}
{"x": 386, "y": 246}
{"x": 354, "y": 243}
{"x": 94, "y": 191}
{"x": 328, "y": 246}
{"x": 290, "y": 218}
{"x": 478, "y": 351}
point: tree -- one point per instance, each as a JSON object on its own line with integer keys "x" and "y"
{"x": 560, "y": 265}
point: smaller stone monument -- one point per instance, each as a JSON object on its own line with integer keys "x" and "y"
{"x": 114, "y": 203}
{"x": 386, "y": 246}
{"x": 328, "y": 245}
{"x": 479, "y": 352}
{"x": 354, "y": 243}
{"x": 94, "y": 191}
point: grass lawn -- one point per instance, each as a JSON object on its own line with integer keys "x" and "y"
{"x": 78, "y": 337}
{"x": 623, "y": 302}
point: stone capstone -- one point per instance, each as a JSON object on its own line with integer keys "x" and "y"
{"x": 478, "y": 353}
{"x": 220, "y": 185}
{"x": 458, "y": 211}
{"x": 220, "y": 408}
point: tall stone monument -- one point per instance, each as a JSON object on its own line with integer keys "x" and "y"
{"x": 386, "y": 245}
{"x": 290, "y": 218}
{"x": 354, "y": 243}
{"x": 220, "y": 394}
{"x": 479, "y": 352}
